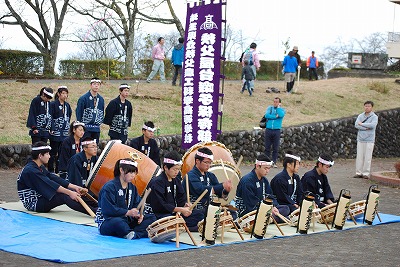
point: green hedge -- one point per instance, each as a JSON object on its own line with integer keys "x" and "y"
{"x": 89, "y": 68}
{"x": 16, "y": 63}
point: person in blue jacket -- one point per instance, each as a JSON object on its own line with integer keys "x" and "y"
{"x": 200, "y": 179}
{"x": 286, "y": 185}
{"x": 70, "y": 146}
{"x": 39, "y": 117}
{"x": 61, "y": 113}
{"x": 274, "y": 115}
{"x": 254, "y": 187}
{"x": 40, "y": 190}
{"x": 90, "y": 110}
{"x": 289, "y": 65}
{"x": 118, "y": 214}
{"x": 177, "y": 61}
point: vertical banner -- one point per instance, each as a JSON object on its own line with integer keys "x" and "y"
{"x": 201, "y": 73}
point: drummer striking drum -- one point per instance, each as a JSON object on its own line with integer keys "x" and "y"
{"x": 167, "y": 195}
{"x": 200, "y": 179}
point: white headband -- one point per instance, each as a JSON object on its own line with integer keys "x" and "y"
{"x": 95, "y": 81}
{"x": 62, "y": 87}
{"x": 267, "y": 163}
{"x": 41, "y": 148}
{"x": 78, "y": 123}
{"x": 293, "y": 157}
{"x": 171, "y": 161}
{"x": 123, "y": 86}
{"x": 128, "y": 162}
{"x": 326, "y": 162}
{"x": 48, "y": 93}
{"x": 205, "y": 155}
{"x": 88, "y": 142}
{"x": 149, "y": 128}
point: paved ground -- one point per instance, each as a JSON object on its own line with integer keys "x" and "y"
{"x": 370, "y": 246}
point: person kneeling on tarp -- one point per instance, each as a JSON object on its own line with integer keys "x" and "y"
{"x": 118, "y": 214}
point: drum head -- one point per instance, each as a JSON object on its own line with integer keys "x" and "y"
{"x": 233, "y": 175}
{"x": 103, "y": 170}
{"x": 219, "y": 151}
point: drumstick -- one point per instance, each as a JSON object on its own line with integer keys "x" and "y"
{"x": 239, "y": 162}
{"x": 141, "y": 203}
{"x": 223, "y": 167}
{"x": 198, "y": 199}
{"x": 86, "y": 207}
{"x": 89, "y": 196}
{"x": 187, "y": 189}
{"x": 283, "y": 218}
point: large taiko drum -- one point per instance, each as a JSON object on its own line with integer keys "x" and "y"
{"x": 220, "y": 152}
{"x": 103, "y": 171}
{"x": 164, "y": 229}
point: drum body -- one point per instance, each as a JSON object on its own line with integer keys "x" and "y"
{"x": 164, "y": 229}
{"x": 327, "y": 213}
{"x": 246, "y": 222}
{"x": 220, "y": 152}
{"x": 103, "y": 171}
{"x": 224, "y": 218}
{"x": 371, "y": 206}
{"x": 357, "y": 209}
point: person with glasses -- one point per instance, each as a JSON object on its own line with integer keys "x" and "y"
{"x": 316, "y": 181}
{"x": 80, "y": 165}
{"x": 39, "y": 117}
{"x": 200, "y": 179}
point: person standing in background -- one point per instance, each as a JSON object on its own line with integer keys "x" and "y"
{"x": 119, "y": 115}
{"x": 312, "y": 65}
{"x": 177, "y": 61}
{"x": 274, "y": 115}
{"x": 251, "y": 55}
{"x": 39, "y": 117}
{"x": 158, "y": 55}
{"x": 90, "y": 110}
{"x": 366, "y": 125}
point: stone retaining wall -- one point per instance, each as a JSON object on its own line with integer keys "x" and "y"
{"x": 336, "y": 137}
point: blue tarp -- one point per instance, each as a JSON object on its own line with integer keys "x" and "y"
{"x": 57, "y": 241}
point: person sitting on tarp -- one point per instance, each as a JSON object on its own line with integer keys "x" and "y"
{"x": 316, "y": 181}
{"x": 254, "y": 187}
{"x": 118, "y": 214}
{"x": 167, "y": 195}
{"x": 41, "y": 191}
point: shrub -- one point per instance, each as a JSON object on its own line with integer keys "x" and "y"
{"x": 379, "y": 87}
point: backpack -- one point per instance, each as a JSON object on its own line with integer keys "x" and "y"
{"x": 248, "y": 56}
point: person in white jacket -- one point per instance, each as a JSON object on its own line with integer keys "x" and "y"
{"x": 366, "y": 124}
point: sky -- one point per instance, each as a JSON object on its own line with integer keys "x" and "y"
{"x": 310, "y": 24}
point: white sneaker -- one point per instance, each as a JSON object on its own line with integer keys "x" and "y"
{"x": 130, "y": 235}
